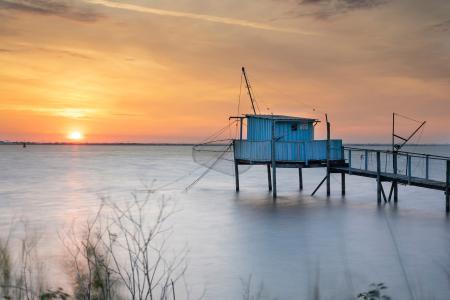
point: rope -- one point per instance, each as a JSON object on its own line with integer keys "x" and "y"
{"x": 207, "y": 170}
{"x": 397, "y": 250}
{"x": 408, "y": 118}
{"x": 217, "y": 133}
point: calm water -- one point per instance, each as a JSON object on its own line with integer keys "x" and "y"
{"x": 343, "y": 243}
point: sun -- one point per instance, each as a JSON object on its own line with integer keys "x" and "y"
{"x": 75, "y": 136}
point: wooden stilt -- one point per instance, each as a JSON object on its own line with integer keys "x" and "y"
{"x": 343, "y": 183}
{"x": 320, "y": 184}
{"x": 328, "y": 159}
{"x": 300, "y": 178}
{"x": 269, "y": 177}
{"x": 394, "y": 183}
{"x": 274, "y": 181}
{"x": 390, "y": 192}
{"x": 447, "y": 189}
{"x": 236, "y": 167}
{"x": 378, "y": 179}
{"x": 274, "y": 166}
{"x": 236, "y": 174}
{"x": 382, "y": 192}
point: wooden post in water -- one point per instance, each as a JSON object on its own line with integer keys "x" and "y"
{"x": 349, "y": 161}
{"x": 378, "y": 178}
{"x": 236, "y": 167}
{"x": 274, "y": 167}
{"x": 269, "y": 177}
{"x": 300, "y": 178}
{"x": 409, "y": 168}
{"x": 366, "y": 161}
{"x": 447, "y": 189}
{"x": 328, "y": 158}
{"x": 394, "y": 182}
{"x": 343, "y": 173}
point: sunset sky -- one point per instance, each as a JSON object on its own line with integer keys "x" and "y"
{"x": 169, "y": 70}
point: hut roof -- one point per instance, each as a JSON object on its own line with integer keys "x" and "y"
{"x": 282, "y": 118}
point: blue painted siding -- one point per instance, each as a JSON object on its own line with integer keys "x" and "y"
{"x": 260, "y": 129}
{"x": 302, "y": 151}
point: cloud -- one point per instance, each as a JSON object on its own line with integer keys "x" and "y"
{"x": 201, "y": 17}
{"x": 28, "y": 48}
{"x": 324, "y": 9}
{"x": 63, "y": 8}
{"x": 441, "y": 26}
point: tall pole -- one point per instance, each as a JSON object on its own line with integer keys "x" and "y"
{"x": 447, "y": 189}
{"x": 328, "y": 156}
{"x": 249, "y": 90}
{"x": 236, "y": 167}
{"x": 240, "y": 130}
{"x": 274, "y": 167}
{"x": 393, "y": 131}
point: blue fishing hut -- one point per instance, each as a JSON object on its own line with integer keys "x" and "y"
{"x": 280, "y": 141}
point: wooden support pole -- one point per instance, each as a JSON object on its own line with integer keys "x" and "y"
{"x": 383, "y": 193}
{"x": 394, "y": 182}
{"x": 274, "y": 166}
{"x": 349, "y": 161}
{"x": 390, "y": 192}
{"x": 408, "y": 168}
{"x": 269, "y": 177}
{"x": 366, "y": 161}
{"x": 236, "y": 174}
{"x": 427, "y": 166}
{"x": 300, "y": 178}
{"x": 236, "y": 167}
{"x": 328, "y": 160}
{"x": 320, "y": 184}
{"x": 447, "y": 189}
{"x": 240, "y": 130}
{"x": 378, "y": 178}
{"x": 343, "y": 183}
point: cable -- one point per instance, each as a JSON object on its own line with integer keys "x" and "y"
{"x": 397, "y": 250}
{"x": 408, "y": 118}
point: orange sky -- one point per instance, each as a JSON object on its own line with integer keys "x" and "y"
{"x": 169, "y": 71}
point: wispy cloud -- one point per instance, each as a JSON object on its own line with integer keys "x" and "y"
{"x": 443, "y": 26}
{"x": 30, "y": 48}
{"x": 63, "y": 8}
{"x": 201, "y": 17}
{"x": 324, "y": 9}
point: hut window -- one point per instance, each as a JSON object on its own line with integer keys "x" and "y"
{"x": 304, "y": 126}
{"x": 294, "y": 127}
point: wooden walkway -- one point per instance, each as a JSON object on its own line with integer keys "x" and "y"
{"x": 403, "y": 179}
{"x": 425, "y": 164}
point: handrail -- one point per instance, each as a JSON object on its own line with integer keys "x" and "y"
{"x": 412, "y": 154}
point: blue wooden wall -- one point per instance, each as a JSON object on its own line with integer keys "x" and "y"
{"x": 260, "y": 129}
{"x": 302, "y": 151}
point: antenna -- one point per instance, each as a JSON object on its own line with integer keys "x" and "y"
{"x": 405, "y": 140}
{"x": 249, "y": 89}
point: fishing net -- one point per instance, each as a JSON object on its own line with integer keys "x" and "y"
{"x": 217, "y": 156}
{"x": 216, "y": 152}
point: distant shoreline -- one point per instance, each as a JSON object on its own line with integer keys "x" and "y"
{"x": 96, "y": 144}
{"x": 172, "y": 144}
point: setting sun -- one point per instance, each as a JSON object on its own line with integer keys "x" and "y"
{"x": 75, "y": 136}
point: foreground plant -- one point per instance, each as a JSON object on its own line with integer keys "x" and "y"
{"x": 375, "y": 293}
{"x": 123, "y": 252}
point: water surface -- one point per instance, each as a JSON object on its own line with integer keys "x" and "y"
{"x": 341, "y": 244}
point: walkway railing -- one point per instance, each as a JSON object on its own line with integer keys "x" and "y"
{"x": 410, "y": 164}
